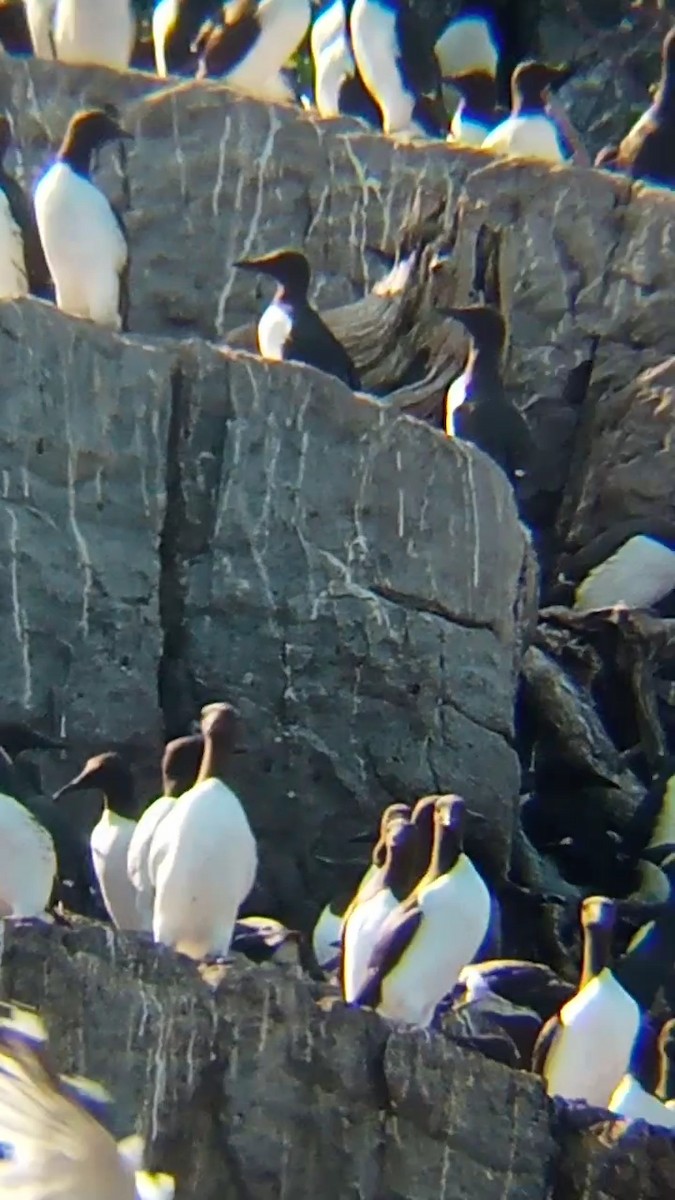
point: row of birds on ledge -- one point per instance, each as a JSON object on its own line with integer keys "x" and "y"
{"x": 371, "y": 59}
{"x": 417, "y": 940}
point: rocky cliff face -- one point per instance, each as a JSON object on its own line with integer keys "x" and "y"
{"x": 183, "y": 523}
{"x": 256, "y": 1085}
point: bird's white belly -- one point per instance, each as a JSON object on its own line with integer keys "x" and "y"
{"x": 92, "y": 33}
{"x": 284, "y": 25}
{"x": 526, "y": 137}
{"x": 13, "y": 277}
{"x": 466, "y": 132}
{"x": 376, "y": 51}
{"x": 329, "y": 25}
{"x": 27, "y": 861}
{"x": 206, "y": 865}
{"x": 274, "y": 329}
{"x": 593, "y": 1048}
{"x": 163, "y": 18}
{"x": 333, "y": 66}
{"x": 109, "y": 842}
{"x": 326, "y": 938}
{"x": 456, "y": 912}
{"x": 83, "y": 245}
{"x": 360, "y": 935}
{"x": 39, "y": 15}
{"x": 638, "y": 575}
{"x": 456, "y": 395}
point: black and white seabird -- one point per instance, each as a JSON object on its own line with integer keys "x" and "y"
{"x": 22, "y": 780}
{"x": 175, "y": 25}
{"x": 477, "y": 113}
{"x": 110, "y": 838}
{"x": 632, "y": 564}
{"x": 82, "y": 235}
{"x": 88, "y": 34}
{"x": 290, "y": 329}
{"x": 327, "y": 932}
{"x": 54, "y": 1128}
{"x": 529, "y": 132}
{"x": 180, "y": 767}
{"x": 251, "y": 44}
{"x": 28, "y": 864}
{"x": 399, "y": 67}
{"x": 338, "y": 87}
{"x": 204, "y": 848}
{"x": 584, "y": 1051}
{"x": 23, "y": 269}
{"x": 648, "y": 150}
{"x": 414, "y": 963}
{"x": 263, "y": 939}
{"x": 367, "y": 914}
{"x": 477, "y": 408}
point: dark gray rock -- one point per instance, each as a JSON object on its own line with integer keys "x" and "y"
{"x": 182, "y": 524}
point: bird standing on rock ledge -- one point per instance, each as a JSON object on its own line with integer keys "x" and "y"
{"x": 83, "y": 237}
{"x": 477, "y": 408}
{"x": 290, "y": 330}
{"x": 205, "y": 854}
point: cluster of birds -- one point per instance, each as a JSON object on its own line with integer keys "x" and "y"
{"x": 68, "y": 243}
{"x": 182, "y": 872}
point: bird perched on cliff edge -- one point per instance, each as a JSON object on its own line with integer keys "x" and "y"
{"x": 205, "y": 853}
{"x": 89, "y": 33}
{"x": 529, "y": 132}
{"x": 251, "y": 44}
{"x": 477, "y": 408}
{"x": 180, "y": 767}
{"x": 398, "y": 66}
{"x": 414, "y": 964}
{"x": 22, "y": 263}
{"x": 82, "y": 235}
{"x": 55, "y": 1145}
{"x": 40, "y": 19}
{"x": 338, "y": 86}
{"x": 110, "y": 837}
{"x": 175, "y": 24}
{"x": 290, "y": 329}
{"x": 477, "y": 113}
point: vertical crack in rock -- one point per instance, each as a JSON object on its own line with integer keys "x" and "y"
{"x": 171, "y": 676}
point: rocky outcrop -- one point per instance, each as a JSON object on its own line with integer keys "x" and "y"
{"x": 181, "y": 524}
{"x": 277, "y": 558}
{"x": 256, "y": 1084}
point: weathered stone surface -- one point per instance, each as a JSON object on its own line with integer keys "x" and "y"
{"x": 182, "y": 524}
{"x": 268, "y": 1086}
{"x": 257, "y": 1090}
{"x": 84, "y": 421}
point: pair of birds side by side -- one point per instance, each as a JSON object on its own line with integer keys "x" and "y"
{"x": 53, "y": 1139}
{"x": 184, "y": 869}
{"x": 408, "y": 934}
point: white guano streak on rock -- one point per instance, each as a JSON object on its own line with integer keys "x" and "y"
{"x": 78, "y": 536}
{"x": 264, "y": 1021}
{"x": 220, "y": 177}
{"x": 18, "y": 612}
{"x": 401, "y": 499}
{"x": 252, "y": 527}
{"x": 367, "y": 184}
{"x": 475, "y": 521}
{"x": 254, "y": 225}
{"x": 180, "y": 160}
